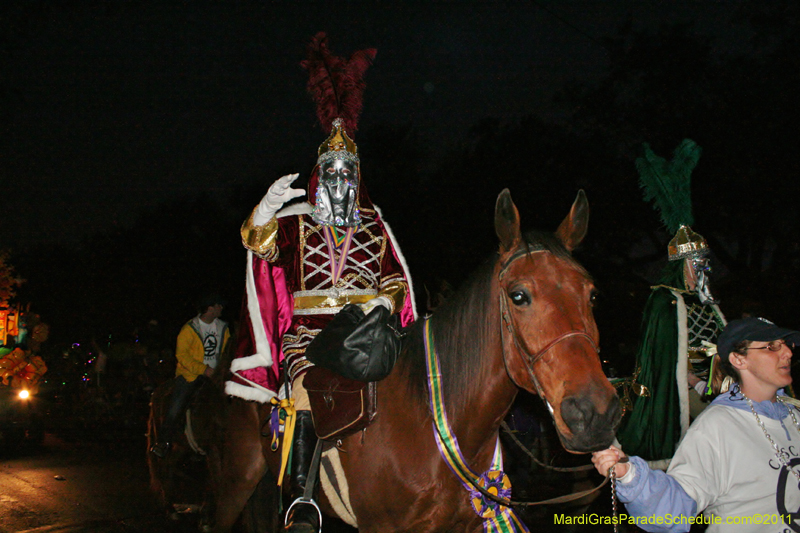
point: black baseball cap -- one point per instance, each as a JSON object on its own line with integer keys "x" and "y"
{"x": 751, "y": 329}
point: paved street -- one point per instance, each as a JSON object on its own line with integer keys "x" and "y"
{"x": 97, "y": 485}
{"x": 97, "y": 482}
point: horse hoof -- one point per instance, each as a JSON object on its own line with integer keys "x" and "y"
{"x": 300, "y": 528}
{"x": 186, "y": 508}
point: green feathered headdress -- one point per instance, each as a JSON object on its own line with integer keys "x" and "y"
{"x": 668, "y": 185}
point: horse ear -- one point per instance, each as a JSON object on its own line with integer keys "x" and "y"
{"x": 573, "y": 228}
{"x": 506, "y": 222}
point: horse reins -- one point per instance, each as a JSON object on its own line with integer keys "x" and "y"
{"x": 510, "y": 432}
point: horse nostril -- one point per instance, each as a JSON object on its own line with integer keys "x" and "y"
{"x": 591, "y": 428}
{"x": 577, "y": 414}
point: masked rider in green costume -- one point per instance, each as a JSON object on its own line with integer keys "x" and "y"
{"x": 680, "y": 318}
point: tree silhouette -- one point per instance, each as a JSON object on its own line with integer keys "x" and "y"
{"x": 8, "y": 279}
{"x": 738, "y": 105}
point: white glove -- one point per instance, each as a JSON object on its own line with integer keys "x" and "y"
{"x": 375, "y": 302}
{"x": 278, "y": 194}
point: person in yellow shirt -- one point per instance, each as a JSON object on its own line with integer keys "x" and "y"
{"x": 199, "y": 347}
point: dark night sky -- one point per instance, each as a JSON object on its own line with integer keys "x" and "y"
{"x": 113, "y": 109}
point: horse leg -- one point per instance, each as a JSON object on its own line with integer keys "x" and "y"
{"x": 161, "y": 469}
{"x": 260, "y": 515}
{"x": 214, "y": 467}
{"x": 156, "y": 484}
{"x": 242, "y": 462}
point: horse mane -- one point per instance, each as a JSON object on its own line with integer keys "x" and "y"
{"x": 466, "y": 324}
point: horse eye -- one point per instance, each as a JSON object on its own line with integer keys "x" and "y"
{"x": 520, "y": 297}
{"x": 593, "y": 298}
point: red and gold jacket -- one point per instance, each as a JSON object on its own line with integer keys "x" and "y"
{"x": 300, "y": 274}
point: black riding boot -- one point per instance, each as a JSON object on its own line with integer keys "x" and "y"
{"x": 302, "y": 517}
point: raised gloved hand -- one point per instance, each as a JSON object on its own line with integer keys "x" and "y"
{"x": 373, "y": 303}
{"x": 278, "y": 194}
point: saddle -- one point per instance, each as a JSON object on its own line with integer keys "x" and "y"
{"x": 189, "y": 433}
{"x": 339, "y": 406}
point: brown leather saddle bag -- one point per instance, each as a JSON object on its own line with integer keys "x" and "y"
{"x": 339, "y": 406}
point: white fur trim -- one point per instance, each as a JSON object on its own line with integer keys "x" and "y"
{"x": 682, "y": 366}
{"x": 263, "y": 355}
{"x": 253, "y": 309}
{"x": 402, "y": 261}
{"x": 250, "y": 361}
{"x": 252, "y": 393}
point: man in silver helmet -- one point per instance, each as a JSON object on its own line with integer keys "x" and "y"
{"x": 332, "y": 252}
{"x": 306, "y": 262}
{"x": 704, "y": 320}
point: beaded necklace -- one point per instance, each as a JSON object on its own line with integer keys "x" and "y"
{"x": 778, "y": 453}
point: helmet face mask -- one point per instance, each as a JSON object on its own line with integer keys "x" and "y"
{"x": 336, "y": 198}
{"x": 701, "y": 267}
{"x": 692, "y": 248}
{"x": 337, "y": 193}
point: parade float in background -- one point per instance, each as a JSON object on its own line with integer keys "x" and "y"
{"x": 21, "y": 366}
{"x": 21, "y": 370}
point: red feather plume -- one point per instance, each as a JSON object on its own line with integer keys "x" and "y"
{"x": 336, "y": 85}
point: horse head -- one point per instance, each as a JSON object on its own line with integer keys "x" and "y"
{"x": 550, "y": 338}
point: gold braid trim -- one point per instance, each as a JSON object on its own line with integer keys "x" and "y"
{"x": 682, "y": 291}
{"x": 330, "y": 302}
{"x": 396, "y": 291}
{"x": 261, "y": 239}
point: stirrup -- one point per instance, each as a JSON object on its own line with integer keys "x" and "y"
{"x": 301, "y": 499}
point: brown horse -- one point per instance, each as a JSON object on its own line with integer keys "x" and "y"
{"x": 182, "y": 481}
{"x": 523, "y": 320}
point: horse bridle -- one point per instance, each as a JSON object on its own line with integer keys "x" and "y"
{"x": 509, "y": 325}
{"x": 465, "y": 473}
